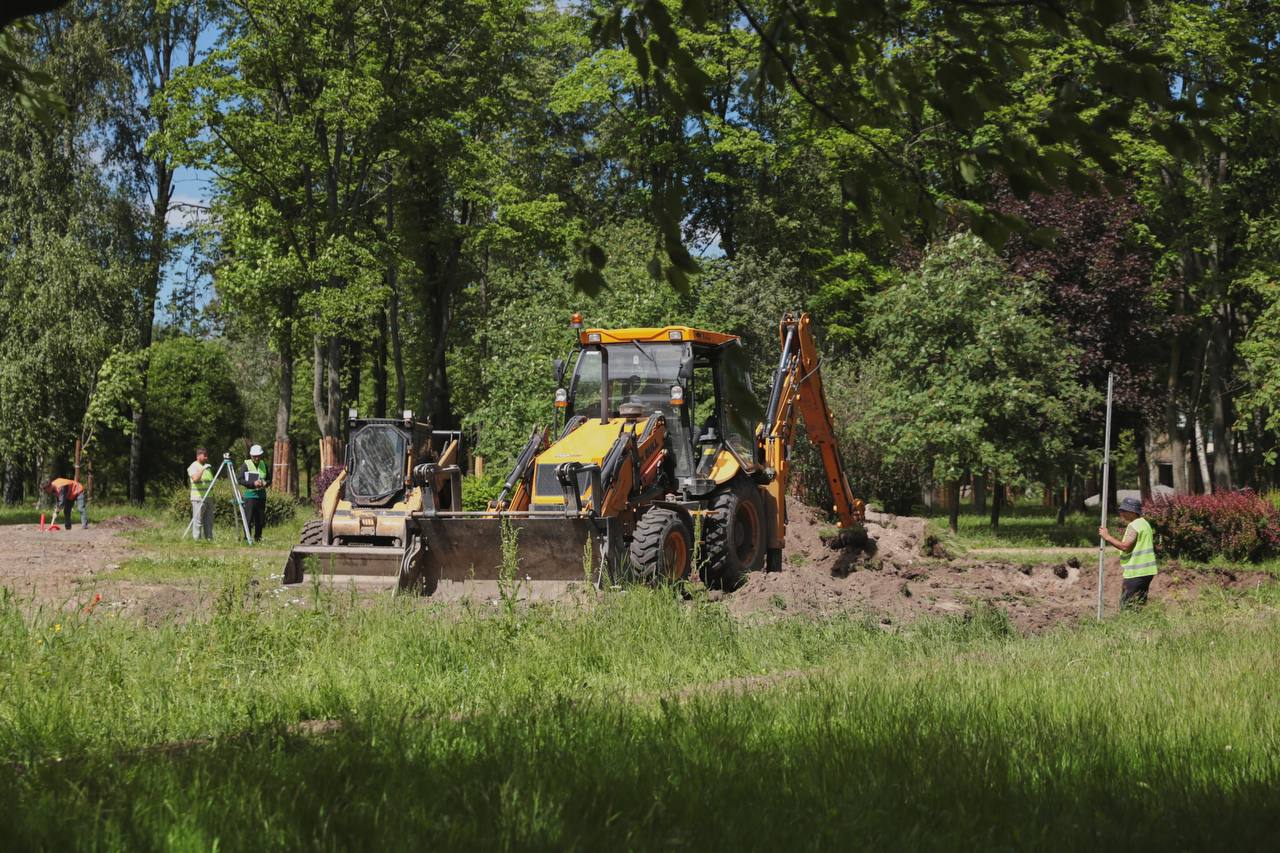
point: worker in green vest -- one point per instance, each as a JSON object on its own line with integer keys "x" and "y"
{"x": 255, "y": 476}
{"x": 1139, "y": 549}
{"x": 200, "y": 477}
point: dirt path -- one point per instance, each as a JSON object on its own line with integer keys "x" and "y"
{"x": 67, "y": 569}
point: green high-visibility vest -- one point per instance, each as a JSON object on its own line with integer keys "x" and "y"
{"x": 199, "y": 488}
{"x": 261, "y": 468}
{"x": 1141, "y": 561}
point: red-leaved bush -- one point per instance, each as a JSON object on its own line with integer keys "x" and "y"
{"x": 323, "y": 480}
{"x": 1239, "y": 526}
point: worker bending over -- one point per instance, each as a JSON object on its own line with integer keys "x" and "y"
{"x": 255, "y": 476}
{"x": 66, "y": 491}
{"x": 1138, "y": 546}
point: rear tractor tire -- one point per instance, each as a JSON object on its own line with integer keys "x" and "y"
{"x": 736, "y": 538}
{"x": 312, "y": 532}
{"x": 662, "y": 547}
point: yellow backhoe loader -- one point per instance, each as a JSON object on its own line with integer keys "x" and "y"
{"x": 662, "y": 439}
{"x": 361, "y": 533}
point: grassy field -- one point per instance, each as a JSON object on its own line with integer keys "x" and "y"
{"x": 627, "y": 723}
{"x": 1022, "y": 526}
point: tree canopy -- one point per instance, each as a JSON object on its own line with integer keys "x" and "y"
{"x": 988, "y": 207}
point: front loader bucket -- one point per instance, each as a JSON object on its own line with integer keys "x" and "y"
{"x": 366, "y": 566}
{"x": 543, "y": 553}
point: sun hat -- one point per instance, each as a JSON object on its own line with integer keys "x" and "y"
{"x": 1132, "y": 505}
{"x": 256, "y": 450}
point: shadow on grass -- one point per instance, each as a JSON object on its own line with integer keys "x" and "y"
{"x": 821, "y": 769}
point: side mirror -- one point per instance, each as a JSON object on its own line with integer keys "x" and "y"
{"x": 557, "y": 370}
{"x": 686, "y": 369}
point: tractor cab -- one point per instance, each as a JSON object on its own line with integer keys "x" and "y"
{"x": 381, "y": 455}
{"x": 698, "y": 381}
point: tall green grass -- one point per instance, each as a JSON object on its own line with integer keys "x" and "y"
{"x": 612, "y": 725}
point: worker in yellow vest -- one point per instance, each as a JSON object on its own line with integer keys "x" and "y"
{"x": 200, "y": 477}
{"x": 255, "y": 476}
{"x": 65, "y": 492}
{"x": 1139, "y": 548}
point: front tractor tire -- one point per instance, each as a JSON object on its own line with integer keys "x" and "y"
{"x": 736, "y": 539}
{"x": 662, "y": 547}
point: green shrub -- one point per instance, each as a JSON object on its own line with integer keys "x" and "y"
{"x": 280, "y": 508}
{"x": 478, "y": 491}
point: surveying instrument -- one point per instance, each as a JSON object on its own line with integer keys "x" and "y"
{"x": 235, "y": 491}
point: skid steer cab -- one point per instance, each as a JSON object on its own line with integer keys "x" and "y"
{"x": 660, "y": 451}
{"x": 393, "y": 468}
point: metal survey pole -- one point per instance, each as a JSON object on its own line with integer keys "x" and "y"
{"x": 1106, "y": 492}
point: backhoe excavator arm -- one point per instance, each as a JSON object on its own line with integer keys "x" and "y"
{"x": 798, "y": 393}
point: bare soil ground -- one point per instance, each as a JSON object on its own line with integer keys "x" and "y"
{"x": 69, "y": 569}
{"x": 900, "y": 575}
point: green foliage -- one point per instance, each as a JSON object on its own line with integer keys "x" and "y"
{"x": 875, "y": 471}
{"x": 69, "y": 261}
{"x": 968, "y": 373}
{"x": 525, "y": 324}
{"x": 192, "y": 402}
{"x": 478, "y": 491}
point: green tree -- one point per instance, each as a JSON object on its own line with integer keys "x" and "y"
{"x": 192, "y": 401}
{"x": 969, "y": 373}
{"x": 151, "y": 38}
{"x": 1211, "y": 217}
{"x": 68, "y": 264}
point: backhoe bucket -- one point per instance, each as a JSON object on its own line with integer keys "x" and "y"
{"x": 373, "y": 567}
{"x": 538, "y": 554}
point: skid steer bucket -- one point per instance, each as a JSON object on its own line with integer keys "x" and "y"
{"x": 462, "y": 552}
{"x": 374, "y": 567}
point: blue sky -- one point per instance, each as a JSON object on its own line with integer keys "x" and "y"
{"x": 191, "y": 187}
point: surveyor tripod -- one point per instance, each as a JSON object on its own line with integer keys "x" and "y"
{"x": 235, "y": 491}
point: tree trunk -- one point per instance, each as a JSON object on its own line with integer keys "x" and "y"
{"x": 12, "y": 483}
{"x": 979, "y": 493}
{"x": 1220, "y": 407}
{"x": 284, "y": 476}
{"x": 352, "y": 394}
{"x": 397, "y": 352}
{"x": 326, "y": 398}
{"x": 306, "y": 461}
{"x": 1172, "y": 427}
{"x": 1074, "y": 502}
{"x": 330, "y": 452}
{"x": 1153, "y": 468}
{"x": 379, "y": 362}
{"x": 953, "y": 505}
{"x": 997, "y": 498}
{"x": 1141, "y": 442}
{"x": 1206, "y": 481}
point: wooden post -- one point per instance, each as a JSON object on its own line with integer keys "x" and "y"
{"x": 330, "y": 452}
{"x": 283, "y": 478}
{"x": 479, "y": 465}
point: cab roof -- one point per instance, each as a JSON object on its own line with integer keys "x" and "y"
{"x": 662, "y": 334}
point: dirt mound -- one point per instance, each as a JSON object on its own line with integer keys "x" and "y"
{"x": 124, "y": 522}
{"x": 903, "y": 573}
